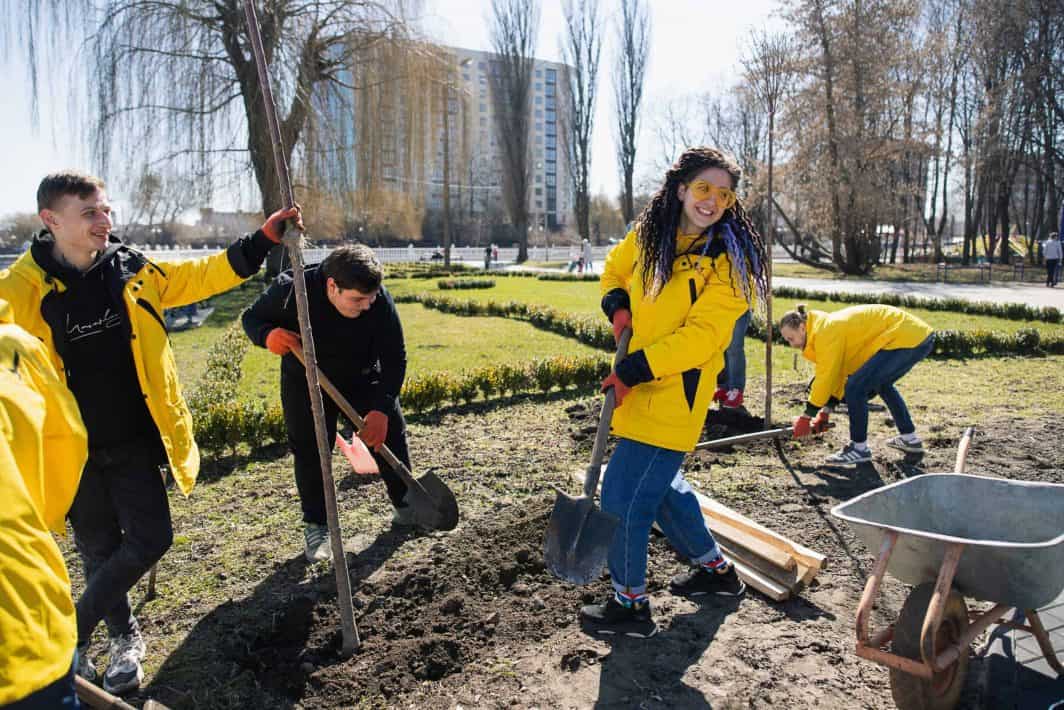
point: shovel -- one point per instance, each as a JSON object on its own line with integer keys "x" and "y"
{"x": 430, "y": 500}
{"x": 780, "y": 433}
{"x": 579, "y": 534}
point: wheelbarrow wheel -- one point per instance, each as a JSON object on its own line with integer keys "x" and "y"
{"x": 943, "y": 691}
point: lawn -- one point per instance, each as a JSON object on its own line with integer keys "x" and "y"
{"x": 583, "y": 297}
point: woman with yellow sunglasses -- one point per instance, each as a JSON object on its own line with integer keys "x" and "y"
{"x": 680, "y": 280}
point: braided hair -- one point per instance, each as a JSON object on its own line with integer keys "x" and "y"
{"x": 657, "y": 226}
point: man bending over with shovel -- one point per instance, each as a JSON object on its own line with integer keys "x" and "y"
{"x": 359, "y": 342}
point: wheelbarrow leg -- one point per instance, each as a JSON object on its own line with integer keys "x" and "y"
{"x": 938, "y": 602}
{"x": 1040, "y": 635}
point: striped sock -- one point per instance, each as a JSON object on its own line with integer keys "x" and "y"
{"x": 718, "y": 564}
{"x": 629, "y": 600}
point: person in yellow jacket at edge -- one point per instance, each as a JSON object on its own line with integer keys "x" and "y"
{"x": 859, "y": 352}
{"x": 679, "y": 280}
{"x": 38, "y": 629}
{"x": 97, "y": 305}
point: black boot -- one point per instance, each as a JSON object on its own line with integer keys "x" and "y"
{"x": 701, "y": 581}
{"x": 612, "y": 617}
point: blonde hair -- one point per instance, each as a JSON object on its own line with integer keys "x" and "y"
{"x": 795, "y": 318}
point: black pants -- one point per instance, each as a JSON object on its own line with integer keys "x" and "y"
{"x": 121, "y": 521}
{"x": 295, "y": 401}
{"x": 1051, "y": 271}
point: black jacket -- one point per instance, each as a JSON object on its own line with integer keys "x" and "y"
{"x": 355, "y": 353}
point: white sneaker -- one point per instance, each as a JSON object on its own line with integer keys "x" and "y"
{"x": 86, "y": 668}
{"x": 316, "y": 539}
{"x": 909, "y": 447}
{"x": 124, "y": 672}
{"x": 849, "y": 455}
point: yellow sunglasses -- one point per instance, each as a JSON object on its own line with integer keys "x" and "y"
{"x": 702, "y": 190}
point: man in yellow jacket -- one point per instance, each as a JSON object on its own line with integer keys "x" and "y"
{"x": 38, "y": 629}
{"x": 97, "y": 304}
{"x": 859, "y": 352}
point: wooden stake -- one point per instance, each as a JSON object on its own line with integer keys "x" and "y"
{"x": 292, "y": 240}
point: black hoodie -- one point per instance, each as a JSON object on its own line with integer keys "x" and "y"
{"x": 93, "y": 340}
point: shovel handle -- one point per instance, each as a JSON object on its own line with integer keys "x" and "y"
{"x": 598, "y": 451}
{"x": 747, "y": 438}
{"x": 360, "y": 424}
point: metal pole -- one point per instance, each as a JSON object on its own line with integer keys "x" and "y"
{"x": 292, "y": 240}
{"x": 769, "y": 229}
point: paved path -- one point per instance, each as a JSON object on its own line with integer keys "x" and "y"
{"x": 1017, "y": 674}
{"x": 998, "y": 293}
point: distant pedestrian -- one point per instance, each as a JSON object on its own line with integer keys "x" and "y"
{"x": 487, "y": 258}
{"x": 1053, "y": 252}
{"x": 588, "y": 265}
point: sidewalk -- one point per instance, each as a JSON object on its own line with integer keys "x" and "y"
{"x": 1030, "y": 294}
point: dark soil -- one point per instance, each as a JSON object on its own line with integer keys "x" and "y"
{"x": 471, "y": 618}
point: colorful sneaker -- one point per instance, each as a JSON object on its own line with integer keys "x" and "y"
{"x": 849, "y": 456}
{"x": 909, "y": 447}
{"x": 611, "y": 617}
{"x": 720, "y": 394}
{"x": 733, "y": 399}
{"x": 86, "y": 668}
{"x": 124, "y": 671}
{"x": 700, "y": 581}
{"x": 316, "y": 541}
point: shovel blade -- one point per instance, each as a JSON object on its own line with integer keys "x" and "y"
{"x": 578, "y": 539}
{"x": 435, "y": 507}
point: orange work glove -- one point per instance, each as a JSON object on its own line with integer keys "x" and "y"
{"x": 620, "y": 389}
{"x": 376, "y": 429}
{"x": 274, "y": 226}
{"x": 280, "y": 341}
{"x": 622, "y": 318}
{"x": 820, "y": 421}
{"x": 802, "y": 427}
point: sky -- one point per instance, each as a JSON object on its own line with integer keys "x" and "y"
{"x": 695, "y": 45}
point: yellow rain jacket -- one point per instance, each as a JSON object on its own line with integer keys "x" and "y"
{"x": 147, "y": 289}
{"x": 683, "y": 333}
{"x": 38, "y": 414}
{"x": 840, "y": 343}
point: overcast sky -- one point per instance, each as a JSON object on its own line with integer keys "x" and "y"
{"x": 695, "y": 46}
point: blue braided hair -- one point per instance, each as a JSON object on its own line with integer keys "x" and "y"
{"x": 658, "y": 223}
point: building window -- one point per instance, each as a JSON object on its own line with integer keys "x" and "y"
{"x": 539, "y": 100}
{"x": 483, "y": 107}
{"x": 539, "y": 72}
{"x": 539, "y": 178}
{"x": 483, "y": 120}
{"x": 551, "y": 180}
{"x": 550, "y": 90}
{"x": 552, "y": 76}
{"x": 539, "y": 113}
{"x": 550, "y": 101}
{"x": 539, "y": 126}
{"x": 539, "y": 190}
{"x": 539, "y": 139}
{"x": 539, "y": 204}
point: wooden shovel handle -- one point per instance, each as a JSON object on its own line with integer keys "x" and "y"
{"x": 598, "y": 451}
{"x": 360, "y": 423}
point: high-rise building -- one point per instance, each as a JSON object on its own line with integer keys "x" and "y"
{"x": 404, "y": 152}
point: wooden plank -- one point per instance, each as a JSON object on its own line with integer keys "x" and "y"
{"x": 803, "y": 555}
{"x": 791, "y": 579}
{"x": 771, "y": 554}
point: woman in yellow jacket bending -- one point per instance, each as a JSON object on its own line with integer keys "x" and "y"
{"x": 38, "y": 630}
{"x": 859, "y": 352}
{"x": 679, "y": 280}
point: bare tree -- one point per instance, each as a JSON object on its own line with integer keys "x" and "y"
{"x": 767, "y": 72}
{"x": 581, "y": 48}
{"x": 174, "y": 80}
{"x": 630, "y": 65}
{"x": 513, "y": 28}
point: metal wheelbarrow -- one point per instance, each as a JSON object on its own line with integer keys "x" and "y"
{"x": 952, "y": 536}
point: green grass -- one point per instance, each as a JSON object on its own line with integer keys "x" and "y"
{"x": 583, "y": 297}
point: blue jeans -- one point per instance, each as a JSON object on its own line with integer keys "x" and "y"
{"x": 643, "y": 484}
{"x": 733, "y": 376}
{"x": 877, "y": 376}
{"x": 59, "y": 694}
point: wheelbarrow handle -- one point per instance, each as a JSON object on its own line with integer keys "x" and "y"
{"x": 747, "y": 438}
{"x": 360, "y": 424}
{"x": 598, "y": 451}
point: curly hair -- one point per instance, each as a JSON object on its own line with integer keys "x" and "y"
{"x": 657, "y": 226}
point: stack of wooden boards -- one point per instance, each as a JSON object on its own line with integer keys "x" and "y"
{"x": 767, "y": 561}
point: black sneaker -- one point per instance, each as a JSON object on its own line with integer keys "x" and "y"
{"x": 612, "y": 617}
{"x": 699, "y": 581}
